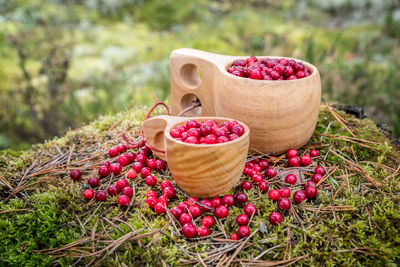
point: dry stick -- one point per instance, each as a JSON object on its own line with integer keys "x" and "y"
{"x": 113, "y": 126}
{"x": 7, "y": 211}
{"x": 266, "y": 251}
{"x": 347, "y": 181}
{"x": 71, "y": 150}
{"x": 273, "y": 263}
{"x": 326, "y": 176}
{"x": 240, "y": 247}
{"x": 344, "y": 137}
{"x": 201, "y": 260}
{"x": 222, "y": 228}
{"x": 340, "y": 119}
{"x": 93, "y": 234}
{"x": 288, "y": 245}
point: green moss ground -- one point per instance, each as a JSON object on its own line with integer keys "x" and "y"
{"x": 50, "y": 212}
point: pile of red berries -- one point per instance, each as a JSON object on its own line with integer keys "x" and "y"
{"x": 269, "y": 69}
{"x": 141, "y": 163}
{"x": 207, "y": 132}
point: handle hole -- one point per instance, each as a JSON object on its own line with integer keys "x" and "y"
{"x": 159, "y": 140}
{"x": 188, "y": 100}
{"x": 191, "y": 75}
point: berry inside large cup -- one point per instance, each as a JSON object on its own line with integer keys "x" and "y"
{"x": 199, "y": 169}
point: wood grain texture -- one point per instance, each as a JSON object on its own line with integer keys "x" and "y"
{"x": 280, "y": 114}
{"x": 199, "y": 170}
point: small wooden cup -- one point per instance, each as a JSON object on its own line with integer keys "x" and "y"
{"x": 281, "y": 114}
{"x": 199, "y": 170}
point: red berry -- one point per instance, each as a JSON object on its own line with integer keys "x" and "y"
{"x": 175, "y": 133}
{"x": 243, "y": 231}
{"x": 216, "y": 201}
{"x": 207, "y": 221}
{"x": 305, "y": 160}
{"x": 241, "y": 198}
{"x": 192, "y": 200}
{"x": 311, "y": 192}
{"x": 298, "y": 66}
{"x": 264, "y": 164}
{"x": 299, "y": 196}
{"x": 228, "y": 200}
{"x": 152, "y": 164}
{"x": 137, "y": 166}
{"x": 161, "y": 165}
{"x": 88, "y": 194}
{"x": 124, "y": 160}
{"x": 144, "y": 150}
{"x": 165, "y": 183}
{"x": 163, "y": 200}
{"x": 100, "y": 195}
{"x": 145, "y": 171}
{"x": 252, "y": 172}
{"x": 275, "y": 218}
{"x": 284, "y": 203}
{"x": 250, "y": 209}
{"x": 192, "y": 124}
{"x": 141, "y": 158}
{"x": 234, "y": 236}
{"x": 285, "y": 192}
{"x": 159, "y": 208}
{"x": 189, "y": 230}
{"x": 206, "y": 205}
{"x": 203, "y": 231}
{"x": 270, "y": 172}
{"x": 309, "y": 183}
{"x": 152, "y": 194}
{"x": 184, "y": 205}
{"x": 127, "y": 191}
{"x": 239, "y": 62}
{"x": 106, "y": 163}
{"x": 320, "y": 170}
{"x": 221, "y": 212}
{"x": 294, "y": 162}
{"x": 113, "y": 190}
{"x": 151, "y": 180}
{"x": 169, "y": 192}
{"x": 222, "y": 139}
{"x": 192, "y": 140}
{"x": 75, "y": 175}
{"x": 288, "y": 71}
{"x": 316, "y": 177}
{"x": 251, "y": 60}
{"x": 313, "y": 153}
{"x": 237, "y": 129}
{"x": 116, "y": 168}
{"x": 274, "y": 75}
{"x": 121, "y": 184}
{"x": 263, "y": 186}
{"x": 123, "y": 200}
{"x": 300, "y": 74}
{"x": 113, "y": 152}
{"x": 257, "y": 178}
{"x": 131, "y": 174}
{"x": 151, "y": 201}
{"x": 242, "y": 219}
{"x": 104, "y": 171}
{"x": 93, "y": 182}
{"x": 177, "y": 212}
{"x": 210, "y": 139}
{"x": 291, "y": 179}
{"x": 185, "y": 218}
{"x": 280, "y": 68}
{"x": 194, "y": 132}
{"x": 195, "y": 210}
{"x": 274, "y": 194}
{"x": 246, "y": 185}
{"x": 121, "y": 148}
{"x": 292, "y": 153}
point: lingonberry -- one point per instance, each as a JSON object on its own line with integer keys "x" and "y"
{"x": 159, "y": 208}
{"x": 192, "y": 200}
{"x": 222, "y": 139}
{"x": 121, "y": 148}
{"x": 169, "y": 191}
{"x": 205, "y": 129}
{"x": 100, "y": 195}
{"x": 75, "y": 175}
{"x": 184, "y": 205}
{"x": 185, "y": 218}
{"x": 305, "y": 160}
{"x": 221, "y": 212}
{"x": 203, "y": 231}
{"x": 124, "y": 160}
{"x": 121, "y": 184}
{"x": 250, "y": 209}
{"x": 239, "y": 62}
{"x": 191, "y": 140}
{"x": 263, "y": 186}
{"x": 175, "y": 133}
{"x": 250, "y": 164}
{"x": 320, "y": 170}
{"x": 165, "y": 183}
{"x": 285, "y": 192}
{"x": 207, "y": 221}
{"x": 127, "y": 191}
{"x": 113, "y": 190}
{"x": 311, "y": 192}
{"x": 234, "y": 236}
{"x": 151, "y": 202}
{"x": 189, "y": 230}
{"x": 274, "y": 194}
{"x": 123, "y": 200}
{"x": 241, "y": 198}
{"x": 152, "y": 194}
{"x": 257, "y": 178}
{"x": 275, "y": 218}
{"x": 206, "y": 205}
{"x": 299, "y": 196}
{"x": 292, "y": 153}
{"x": 145, "y": 171}
{"x": 132, "y": 174}
{"x": 294, "y": 162}
{"x": 152, "y": 164}
{"x": 274, "y": 75}
{"x": 141, "y": 158}
{"x": 194, "y": 132}
{"x": 253, "y": 172}
{"x": 93, "y": 182}
{"x": 137, "y": 166}
{"x": 288, "y": 72}
{"x": 257, "y": 167}
{"x": 151, "y": 180}
{"x": 113, "y": 152}
{"x": 131, "y": 156}
{"x": 104, "y": 171}
{"x": 251, "y": 60}
{"x": 316, "y": 177}
{"x": 116, "y": 168}
{"x": 192, "y": 124}
{"x": 228, "y": 200}
{"x": 163, "y": 200}
{"x": 270, "y": 172}
{"x": 314, "y": 153}
{"x": 88, "y": 194}
{"x": 284, "y": 203}
{"x": 195, "y": 210}
{"x": 106, "y": 163}
{"x": 246, "y": 185}
{"x": 243, "y": 231}
{"x": 242, "y": 219}
{"x": 298, "y": 66}
{"x": 280, "y": 68}
{"x": 216, "y": 201}
{"x": 291, "y": 179}
{"x": 144, "y": 150}
{"x": 300, "y": 74}
{"x": 237, "y": 129}
{"x": 161, "y": 165}
{"x": 264, "y": 164}
{"x": 176, "y": 212}
{"x": 210, "y": 139}
{"x": 309, "y": 183}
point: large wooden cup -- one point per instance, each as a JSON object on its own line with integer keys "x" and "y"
{"x": 199, "y": 170}
{"x": 281, "y": 114}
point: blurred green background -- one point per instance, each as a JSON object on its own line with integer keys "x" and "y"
{"x": 64, "y": 62}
